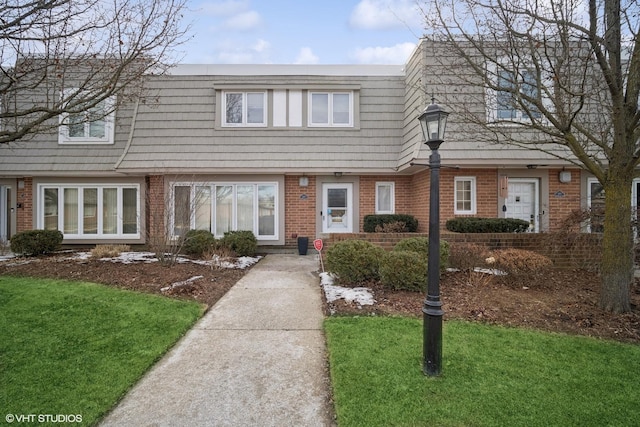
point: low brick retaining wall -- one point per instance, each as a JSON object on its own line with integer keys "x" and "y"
{"x": 567, "y": 250}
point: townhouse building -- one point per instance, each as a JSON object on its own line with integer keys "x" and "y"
{"x": 282, "y": 150}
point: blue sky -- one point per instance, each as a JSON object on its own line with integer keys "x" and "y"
{"x": 301, "y": 31}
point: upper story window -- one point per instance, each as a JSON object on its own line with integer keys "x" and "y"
{"x": 244, "y": 109}
{"x": 92, "y": 126}
{"x": 465, "y": 195}
{"x": 509, "y": 98}
{"x": 331, "y": 109}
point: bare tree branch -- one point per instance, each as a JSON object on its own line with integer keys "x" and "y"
{"x": 62, "y": 57}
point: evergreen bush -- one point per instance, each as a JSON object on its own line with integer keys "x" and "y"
{"x": 198, "y": 242}
{"x": 404, "y": 270}
{"x": 371, "y": 222}
{"x": 420, "y": 246}
{"x": 354, "y": 261}
{"x": 36, "y": 242}
{"x": 487, "y": 225}
{"x": 242, "y": 242}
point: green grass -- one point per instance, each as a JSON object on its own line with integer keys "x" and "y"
{"x": 492, "y": 376}
{"x": 76, "y": 348}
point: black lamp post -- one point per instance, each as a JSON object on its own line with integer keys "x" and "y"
{"x": 433, "y": 121}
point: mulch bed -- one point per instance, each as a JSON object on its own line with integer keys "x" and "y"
{"x": 561, "y": 301}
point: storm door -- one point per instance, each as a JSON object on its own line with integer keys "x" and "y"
{"x": 337, "y": 207}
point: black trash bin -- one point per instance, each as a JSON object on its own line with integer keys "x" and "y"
{"x": 303, "y": 244}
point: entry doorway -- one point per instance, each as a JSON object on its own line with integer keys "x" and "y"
{"x": 523, "y": 202}
{"x": 337, "y": 207}
{"x": 5, "y": 213}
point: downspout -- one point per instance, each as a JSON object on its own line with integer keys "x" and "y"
{"x": 130, "y": 139}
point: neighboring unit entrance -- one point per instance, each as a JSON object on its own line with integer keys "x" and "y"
{"x": 5, "y": 214}
{"x": 522, "y": 201}
{"x": 337, "y": 208}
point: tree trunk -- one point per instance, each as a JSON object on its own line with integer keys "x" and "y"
{"x": 617, "y": 247}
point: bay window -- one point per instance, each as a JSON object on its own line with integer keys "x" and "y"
{"x": 95, "y": 211}
{"x": 225, "y": 207}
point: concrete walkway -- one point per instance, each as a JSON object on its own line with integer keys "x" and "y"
{"x": 257, "y": 358}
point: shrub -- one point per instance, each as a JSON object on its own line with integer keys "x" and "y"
{"x": 109, "y": 251}
{"x": 242, "y": 242}
{"x": 487, "y": 225}
{"x": 354, "y": 261}
{"x": 371, "y": 222}
{"x": 467, "y": 256}
{"x": 420, "y": 245}
{"x": 392, "y": 227}
{"x": 520, "y": 263}
{"x": 405, "y": 270}
{"x": 36, "y": 242}
{"x": 198, "y": 242}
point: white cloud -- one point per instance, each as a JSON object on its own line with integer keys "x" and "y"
{"x": 224, "y": 8}
{"x": 306, "y": 56}
{"x": 261, "y": 46}
{"x": 234, "y": 52}
{"x": 397, "y": 54}
{"x": 245, "y": 21}
{"x": 386, "y": 15}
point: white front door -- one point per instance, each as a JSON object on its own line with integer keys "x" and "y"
{"x": 337, "y": 207}
{"x": 522, "y": 201}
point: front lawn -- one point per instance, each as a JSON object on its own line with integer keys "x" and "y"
{"x": 492, "y": 376}
{"x": 76, "y": 348}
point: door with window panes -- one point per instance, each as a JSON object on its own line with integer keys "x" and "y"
{"x": 337, "y": 207}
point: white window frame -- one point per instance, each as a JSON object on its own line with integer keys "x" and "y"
{"x": 330, "y": 122}
{"x": 100, "y": 220}
{"x": 109, "y": 129}
{"x": 473, "y": 209}
{"x": 244, "y": 122}
{"x": 492, "y": 95}
{"x": 234, "y": 216}
{"x": 392, "y": 197}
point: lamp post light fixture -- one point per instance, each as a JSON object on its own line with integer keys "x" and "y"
{"x": 433, "y": 121}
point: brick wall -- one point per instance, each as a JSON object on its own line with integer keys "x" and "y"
{"x": 566, "y": 250}
{"x": 155, "y": 212}
{"x": 25, "y": 196}
{"x": 403, "y": 196}
{"x": 419, "y": 189}
{"x": 564, "y": 198}
{"x": 300, "y": 209}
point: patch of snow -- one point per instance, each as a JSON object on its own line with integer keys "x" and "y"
{"x": 493, "y": 271}
{"x": 361, "y": 296}
{"x": 239, "y": 263}
{"x": 133, "y": 257}
{"x": 182, "y": 283}
{"x": 7, "y": 257}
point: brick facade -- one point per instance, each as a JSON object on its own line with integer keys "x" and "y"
{"x": 25, "y": 198}
{"x": 300, "y": 209}
{"x": 156, "y": 205}
{"x": 564, "y": 198}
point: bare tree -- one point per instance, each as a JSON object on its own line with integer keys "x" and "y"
{"x": 559, "y": 76}
{"x": 180, "y": 205}
{"x": 76, "y": 54}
